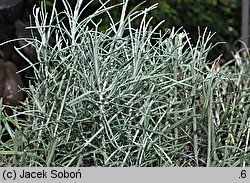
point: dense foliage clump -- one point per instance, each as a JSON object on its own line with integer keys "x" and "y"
{"x": 128, "y": 96}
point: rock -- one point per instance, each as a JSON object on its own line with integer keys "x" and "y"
{"x": 10, "y": 10}
{"x": 10, "y": 84}
{"x": 6, "y": 33}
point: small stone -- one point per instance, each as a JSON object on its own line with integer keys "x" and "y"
{"x": 10, "y": 83}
